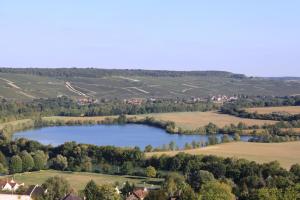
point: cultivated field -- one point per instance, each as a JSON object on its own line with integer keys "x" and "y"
{"x": 193, "y": 120}
{"x": 78, "y": 180}
{"x": 286, "y": 153}
{"x": 124, "y": 85}
{"x": 293, "y": 110}
{"x": 28, "y": 87}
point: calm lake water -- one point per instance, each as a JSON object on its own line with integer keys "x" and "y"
{"x": 128, "y": 135}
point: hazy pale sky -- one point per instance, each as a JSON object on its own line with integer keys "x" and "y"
{"x": 254, "y": 37}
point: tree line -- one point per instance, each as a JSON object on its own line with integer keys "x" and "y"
{"x": 194, "y": 177}
{"x": 24, "y": 155}
{"x": 212, "y": 177}
{"x": 243, "y": 179}
{"x": 63, "y": 106}
{"x": 97, "y": 73}
{"x": 237, "y": 108}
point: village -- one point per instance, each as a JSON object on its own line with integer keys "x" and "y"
{"x": 219, "y": 99}
{"x": 12, "y": 190}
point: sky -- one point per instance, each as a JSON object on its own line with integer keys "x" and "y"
{"x": 253, "y": 37}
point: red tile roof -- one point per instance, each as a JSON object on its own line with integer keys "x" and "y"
{"x": 3, "y": 182}
{"x": 141, "y": 194}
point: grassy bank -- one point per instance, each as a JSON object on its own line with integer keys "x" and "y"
{"x": 8, "y": 128}
{"x": 78, "y": 119}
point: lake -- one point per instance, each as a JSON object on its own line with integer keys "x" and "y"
{"x": 128, "y": 135}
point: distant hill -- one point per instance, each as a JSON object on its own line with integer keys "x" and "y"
{"x": 29, "y": 83}
{"x": 95, "y": 72}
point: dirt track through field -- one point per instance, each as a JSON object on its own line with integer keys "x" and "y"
{"x": 72, "y": 89}
{"x": 19, "y": 90}
{"x": 11, "y": 83}
{"x": 184, "y": 90}
{"x": 130, "y": 79}
{"x": 189, "y": 85}
{"x": 139, "y": 89}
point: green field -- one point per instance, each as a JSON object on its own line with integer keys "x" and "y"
{"x": 286, "y": 153}
{"x": 78, "y": 180}
{"x": 123, "y": 84}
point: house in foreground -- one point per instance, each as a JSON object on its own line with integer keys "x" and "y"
{"x": 9, "y": 185}
{"x": 32, "y": 192}
{"x": 138, "y": 194}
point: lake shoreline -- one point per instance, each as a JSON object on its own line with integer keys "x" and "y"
{"x": 123, "y": 135}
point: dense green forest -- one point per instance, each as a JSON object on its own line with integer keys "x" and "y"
{"x": 244, "y": 179}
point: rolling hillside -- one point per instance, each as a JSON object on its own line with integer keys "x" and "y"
{"x": 26, "y": 84}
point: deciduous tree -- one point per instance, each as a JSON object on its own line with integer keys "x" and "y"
{"x": 215, "y": 190}
{"x": 57, "y": 188}
{"x": 27, "y": 161}
{"x": 150, "y": 172}
{"x": 16, "y": 164}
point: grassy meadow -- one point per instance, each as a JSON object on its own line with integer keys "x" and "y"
{"x": 286, "y": 153}
{"x": 293, "y": 110}
{"x": 78, "y": 180}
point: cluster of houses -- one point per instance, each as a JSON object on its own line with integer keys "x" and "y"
{"x": 86, "y": 101}
{"x": 223, "y": 98}
{"x": 8, "y": 190}
{"x": 9, "y": 185}
{"x": 134, "y": 101}
{"x": 215, "y": 99}
{"x": 139, "y": 101}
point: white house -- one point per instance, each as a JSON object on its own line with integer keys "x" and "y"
{"x": 32, "y": 192}
{"x": 6, "y": 185}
